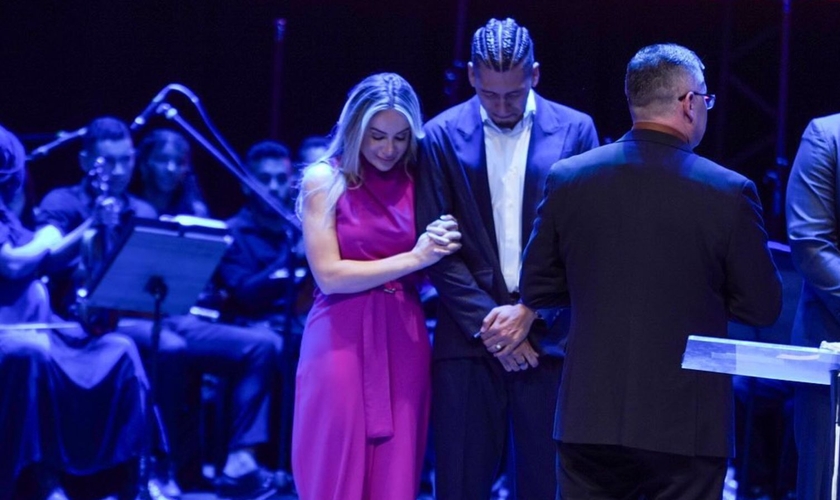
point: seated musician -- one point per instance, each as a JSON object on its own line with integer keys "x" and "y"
{"x": 312, "y": 149}
{"x": 167, "y": 180}
{"x": 107, "y": 159}
{"x": 70, "y": 404}
{"x": 246, "y": 357}
{"x": 257, "y": 269}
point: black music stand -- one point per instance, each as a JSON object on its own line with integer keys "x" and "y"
{"x": 775, "y": 361}
{"x": 158, "y": 267}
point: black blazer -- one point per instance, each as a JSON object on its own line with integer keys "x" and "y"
{"x": 649, "y": 243}
{"x": 452, "y": 179}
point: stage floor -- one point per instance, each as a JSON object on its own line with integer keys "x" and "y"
{"x": 211, "y": 496}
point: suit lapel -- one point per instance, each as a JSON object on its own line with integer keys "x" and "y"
{"x": 547, "y": 146}
{"x": 471, "y": 152}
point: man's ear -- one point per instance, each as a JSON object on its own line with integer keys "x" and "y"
{"x": 471, "y": 73}
{"x": 689, "y": 107}
{"x": 535, "y": 74}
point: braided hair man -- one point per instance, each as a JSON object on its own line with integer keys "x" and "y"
{"x": 496, "y": 366}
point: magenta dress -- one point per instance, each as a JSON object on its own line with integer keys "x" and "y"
{"x": 363, "y": 382}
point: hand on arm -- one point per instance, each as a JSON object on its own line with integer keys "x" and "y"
{"x": 444, "y": 232}
{"x": 336, "y": 275}
{"x": 431, "y": 247}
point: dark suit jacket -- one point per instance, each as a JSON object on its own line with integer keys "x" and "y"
{"x": 813, "y": 208}
{"x": 452, "y": 179}
{"x": 649, "y": 243}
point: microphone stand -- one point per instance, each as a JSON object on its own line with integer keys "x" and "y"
{"x": 293, "y": 233}
{"x": 63, "y": 137}
{"x": 171, "y": 113}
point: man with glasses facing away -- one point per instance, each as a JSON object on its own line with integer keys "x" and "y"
{"x": 648, "y": 243}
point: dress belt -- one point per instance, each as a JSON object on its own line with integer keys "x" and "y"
{"x": 376, "y": 371}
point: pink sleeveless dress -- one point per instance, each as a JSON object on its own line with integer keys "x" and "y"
{"x": 363, "y": 380}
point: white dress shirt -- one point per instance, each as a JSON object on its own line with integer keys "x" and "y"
{"x": 507, "y": 153}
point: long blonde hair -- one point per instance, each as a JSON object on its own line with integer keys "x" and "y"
{"x": 370, "y": 96}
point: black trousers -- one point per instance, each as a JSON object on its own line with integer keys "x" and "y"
{"x": 601, "y": 472}
{"x": 478, "y": 408}
{"x": 249, "y": 357}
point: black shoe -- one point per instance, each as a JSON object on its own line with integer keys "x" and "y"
{"x": 256, "y": 485}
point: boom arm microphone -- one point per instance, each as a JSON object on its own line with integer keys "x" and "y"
{"x": 61, "y": 139}
{"x": 151, "y": 109}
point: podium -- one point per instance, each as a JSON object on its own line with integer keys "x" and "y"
{"x": 758, "y": 359}
{"x": 775, "y": 361}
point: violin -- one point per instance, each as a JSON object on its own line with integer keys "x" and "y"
{"x": 97, "y": 243}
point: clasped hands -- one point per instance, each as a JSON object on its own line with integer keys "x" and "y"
{"x": 504, "y": 333}
{"x": 444, "y": 234}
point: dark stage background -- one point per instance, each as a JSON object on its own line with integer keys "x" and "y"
{"x": 65, "y": 62}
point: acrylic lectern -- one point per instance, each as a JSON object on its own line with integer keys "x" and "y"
{"x": 775, "y": 361}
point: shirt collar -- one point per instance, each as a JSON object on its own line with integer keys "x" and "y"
{"x": 527, "y": 116}
{"x": 660, "y": 127}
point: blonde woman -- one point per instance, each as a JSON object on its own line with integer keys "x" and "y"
{"x": 362, "y": 400}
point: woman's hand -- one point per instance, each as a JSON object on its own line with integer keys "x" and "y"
{"x": 441, "y": 238}
{"x": 444, "y": 231}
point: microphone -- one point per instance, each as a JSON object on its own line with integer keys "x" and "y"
{"x": 61, "y": 138}
{"x": 151, "y": 109}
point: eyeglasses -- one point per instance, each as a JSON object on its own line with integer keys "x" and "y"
{"x": 266, "y": 178}
{"x": 708, "y": 99}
